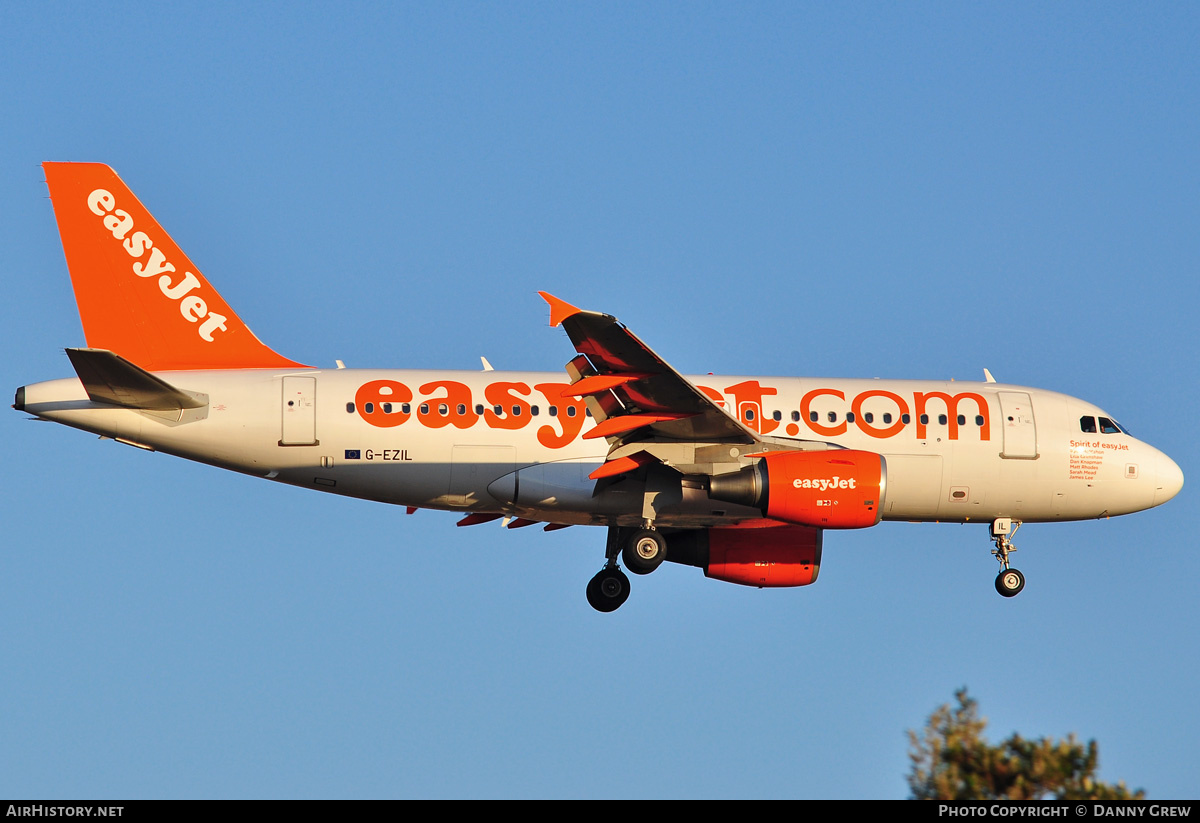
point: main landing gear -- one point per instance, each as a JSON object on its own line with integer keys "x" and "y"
{"x": 1010, "y": 581}
{"x": 608, "y": 589}
{"x": 643, "y": 551}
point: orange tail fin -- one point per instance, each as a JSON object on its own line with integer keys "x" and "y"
{"x": 138, "y": 294}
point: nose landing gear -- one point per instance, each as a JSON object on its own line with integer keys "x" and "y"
{"x": 1010, "y": 581}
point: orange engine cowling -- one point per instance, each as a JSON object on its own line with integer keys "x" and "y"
{"x": 835, "y": 489}
{"x": 762, "y": 553}
{"x": 773, "y": 557}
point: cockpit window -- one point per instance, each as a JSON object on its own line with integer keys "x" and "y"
{"x": 1109, "y": 427}
{"x": 1087, "y": 424}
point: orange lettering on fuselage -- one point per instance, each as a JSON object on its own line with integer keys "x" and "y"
{"x": 374, "y": 395}
{"x": 571, "y": 414}
{"x": 807, "y": 416}
{"x": 747, "y": 397}
{"x": 714, "y": 396}
{"x": 516, "y": 410}
{"x": 452, "y": 408}
{"x": 919, "y": 398}
{"x": 868, "y": 428}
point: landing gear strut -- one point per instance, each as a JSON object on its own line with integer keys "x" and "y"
{"x": 610, "y": 587}
{"x": 1010, "y": 581}
{"x": 643, "y": 551}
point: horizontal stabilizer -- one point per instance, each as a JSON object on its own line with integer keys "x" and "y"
{"x": 110, "y": 378}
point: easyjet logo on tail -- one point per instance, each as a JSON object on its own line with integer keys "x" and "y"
{"x": 137, "y": 244}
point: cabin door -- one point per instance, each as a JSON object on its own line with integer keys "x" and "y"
{"x": 299, "y": 412}
{"x": 1017, "y": 423}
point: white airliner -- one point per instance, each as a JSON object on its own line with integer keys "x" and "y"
{"x": 740, "y": 476}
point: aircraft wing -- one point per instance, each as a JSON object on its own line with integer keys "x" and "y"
{"x": 632, "y": 392}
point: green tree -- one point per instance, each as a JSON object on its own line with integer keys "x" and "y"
{"x": 951, "y": 760}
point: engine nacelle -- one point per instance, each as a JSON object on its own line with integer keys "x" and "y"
{"x": 769, "y": 557}
{"x": 836, "y": 489}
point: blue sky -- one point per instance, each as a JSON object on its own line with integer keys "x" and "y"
{"x": 860, "y": 190}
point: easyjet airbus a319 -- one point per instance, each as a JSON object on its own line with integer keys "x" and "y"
{"x": 739, "y": 476}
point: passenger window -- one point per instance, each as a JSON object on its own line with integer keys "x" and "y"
{"x": 423, "y": 408}
{"x": 498, "y": 410}
{"x": 795, "y": 417}
{"x": 479, "y": 408}
{"x": 587, "y": 412}
{"x": 775, "y": 415}
{"x": 554, "y": 411}
{"x": 350, "y": 408}
{"x": 533, "y": 411}
{"x": 832, "y": 417}
{"x": 849, "y": 417}
{"x": 1087, "y": 424}
{"x": 462, "y": 408}
{"x": 869, "y": 417}
{"x": 887, "y": 417}
{"x": 570, "y": 411}
{"x": 979, "y": 420}
{"x": 406, "y": 408}
{"x": 905, "y": 418}
{"x": 962, "y": 420}
{"x": 369, "y": 408}
{"x": 924, "y": 420}
{"x": 516, "y": 411}
{"x": 387, "y": 408}
{"x": 942, "y": 419}
{"x": 750, "y": 414}
{"x": 443, "y": 409}
{"x": 814, "y": 417}
{"x": 1108, "y": 427}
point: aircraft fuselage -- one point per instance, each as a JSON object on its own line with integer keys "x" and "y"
{"x": 954, "y": 451}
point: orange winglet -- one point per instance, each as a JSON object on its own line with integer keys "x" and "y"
{"x": 628, "y": 422}
{"x": 475, "y": 519}
{"x": 560, "y": 310}
{"x": 410, "y": 509}
{"x": 621, "y": 465}
{"x": 601, "y": 382}
{"x": 521, "y": 522}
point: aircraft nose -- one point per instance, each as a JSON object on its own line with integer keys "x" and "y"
{"x": 1170, "y": 480}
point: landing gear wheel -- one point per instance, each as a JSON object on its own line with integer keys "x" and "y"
{"x": 645, "y": 551}
{"x": 1010, "y": 582}
{"x": 608, "y": 589}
